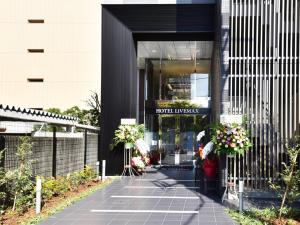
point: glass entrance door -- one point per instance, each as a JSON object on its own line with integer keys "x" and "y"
{"x": 178, "y": 137}
{"x": 174, "y": 96}
{"x": 168, "y": 129}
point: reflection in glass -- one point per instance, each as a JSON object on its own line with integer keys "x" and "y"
{"x": 174, "y": 75}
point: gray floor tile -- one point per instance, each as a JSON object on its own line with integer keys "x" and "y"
{"x": 136, "y": 223}
{"x": 172, "y": 223}
{"x": 153, "y": 223}
{"x": 80, "y": 213}
{"x": 118, "y": 222}
{"x": 91, "y": 222}
{"x": 173, "y": 217}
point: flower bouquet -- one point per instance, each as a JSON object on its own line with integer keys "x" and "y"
{"x": 138, "y": 163}
{"x": 128, "y": 134}
{"x": 146, "y": 160}
{"x": 231, "y": 139}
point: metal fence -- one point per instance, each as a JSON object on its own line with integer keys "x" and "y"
{"x": 264, "y": 65}
{"x": 54, "y": 153}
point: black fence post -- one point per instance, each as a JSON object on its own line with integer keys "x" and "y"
{"x": 85, "y": 148}
{"x": 54, "y": 145}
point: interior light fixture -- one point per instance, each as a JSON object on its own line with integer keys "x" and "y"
{"x": 154, "y": 51}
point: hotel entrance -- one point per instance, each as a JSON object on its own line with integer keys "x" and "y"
{"x": 175, "y": 79}
{"x": 175, "y": 136}
{"x": 158, "y": 57}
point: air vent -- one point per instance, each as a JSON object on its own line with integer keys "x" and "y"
{"x": 35, "y": 80}
{"x": 35, "y": 50}
{"x": 36, "y": 21}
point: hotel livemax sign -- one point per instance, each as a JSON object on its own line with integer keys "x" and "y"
{"x": 181, "y": 110}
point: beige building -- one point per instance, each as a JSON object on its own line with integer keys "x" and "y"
{"x": 50, "y": 52}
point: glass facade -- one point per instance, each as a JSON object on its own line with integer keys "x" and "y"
{"x": 176, "y": 81}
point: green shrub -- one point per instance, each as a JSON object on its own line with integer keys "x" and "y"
{"x": 60, "y": 185}
{"x": 264, "y": 216}
{"x": 74, "y": 180}
{"x": 54, "y": 187}
{"x": 89, "y": 173}
{"x": 17, "y": 187}
{"x": 77, "y": 178}
{"x": 25, "y": 201}
{"x": 267, "y": 213}
{"x": 245, "y": 218}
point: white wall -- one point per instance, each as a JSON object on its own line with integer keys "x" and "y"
{"x": 71, "y": 64}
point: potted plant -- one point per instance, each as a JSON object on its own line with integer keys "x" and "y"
{"x": 230, "y": 139}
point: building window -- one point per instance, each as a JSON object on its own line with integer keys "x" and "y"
{"x": 36, "y": 21}
{"x": 35, "y": 50}
{"x": 35, "y": 80}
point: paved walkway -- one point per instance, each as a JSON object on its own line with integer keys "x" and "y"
{"x": 159, "y": 198}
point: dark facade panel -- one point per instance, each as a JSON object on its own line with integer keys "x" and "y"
{"x": 119, "y": 85}
{"x": 165, "y": 18}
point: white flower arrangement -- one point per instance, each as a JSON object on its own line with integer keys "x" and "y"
{"x": 128, "y": 134}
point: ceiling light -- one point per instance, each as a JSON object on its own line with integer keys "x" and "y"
{"x": 154, "y": 51}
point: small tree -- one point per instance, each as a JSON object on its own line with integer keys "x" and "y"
{"x": 95, "y": 111}
{"x": 290, "y": 177}
{"x": 19, "y": 182}
{"x": 54, "y": 110}
{"x": 85, "y": 116}
{"x": 75, "y": 111}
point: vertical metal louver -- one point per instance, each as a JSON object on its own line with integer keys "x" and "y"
{"x": 264, "y": 82}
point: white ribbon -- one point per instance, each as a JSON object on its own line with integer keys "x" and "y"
{"x": 200, "y": 135}
{"x": 142, "y": 146}
{"x": 207, "y": 149}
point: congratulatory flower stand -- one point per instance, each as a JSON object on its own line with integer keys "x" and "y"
{"x": 230, "y": 140}
{"x": 128, "y": 135}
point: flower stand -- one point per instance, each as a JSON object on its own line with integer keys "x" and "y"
{"x": 127, "y": 161}
{"x": 230, "y": 185}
